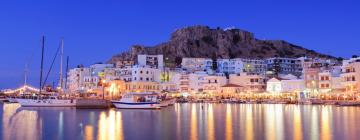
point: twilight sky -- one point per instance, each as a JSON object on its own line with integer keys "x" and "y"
{"x": 94, "y": 30}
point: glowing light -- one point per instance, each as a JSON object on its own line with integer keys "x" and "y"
{"x": 249, "y": 123}
{"x": 193, "y": 128}
{"x": 210, "y": 123}
{"x": 21, "y": 89}
{"x": 228, "y": 131}
{"x": 297, "y": 124}
{"x": 111, "y": 127}
{"x": 325, "y": 124}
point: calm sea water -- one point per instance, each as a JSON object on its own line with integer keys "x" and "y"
{"x": 181, "y": 122}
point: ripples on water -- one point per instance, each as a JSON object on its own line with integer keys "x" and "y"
{"x": 182, "y": 121}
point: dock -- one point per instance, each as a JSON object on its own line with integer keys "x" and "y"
{"x": 92, "y": 104}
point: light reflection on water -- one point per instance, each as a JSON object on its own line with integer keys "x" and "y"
{"x": 210, "y": 123}
{"x": 229, "y": 123}
{"x": 182, "y": 121}
{"x": 297, "y": 124}
{"x": 194, "y": 126}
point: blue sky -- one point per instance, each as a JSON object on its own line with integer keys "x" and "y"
{"x": 95, "y": 30}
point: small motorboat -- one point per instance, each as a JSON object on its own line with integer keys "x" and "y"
{"x": 138, "y": 101}
{"x": 167, "y": 102}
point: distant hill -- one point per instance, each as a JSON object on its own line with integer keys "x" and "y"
{"x": 204, "y": 42}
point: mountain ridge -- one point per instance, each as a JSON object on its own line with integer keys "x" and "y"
{"x": 204, "y": 42}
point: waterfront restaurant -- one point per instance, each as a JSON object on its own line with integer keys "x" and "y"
{"x": 231, "y": 90}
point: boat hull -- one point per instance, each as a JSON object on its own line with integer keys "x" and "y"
{"x": 145, "y": 105}
{"x": 46, "y": 103}
{"x": 349, "y": 103}
{"x": 12, "y": 100}
{"x": 168, "y": 102}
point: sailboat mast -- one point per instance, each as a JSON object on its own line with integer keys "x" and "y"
{"x": 67, "y": 70}
{"x": 25, "y": 74}
{"x": 42, "y": 62}
{"x": 61, "y": 64}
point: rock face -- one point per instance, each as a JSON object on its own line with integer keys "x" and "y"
{"x": 204, "y": 42}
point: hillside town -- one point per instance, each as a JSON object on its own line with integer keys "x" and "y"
{"x": 206, "y": 78}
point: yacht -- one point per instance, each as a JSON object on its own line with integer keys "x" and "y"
{"x": 138, "y": 101}
{"x": 45, "y": 99}
{"x": 51, "y": 101}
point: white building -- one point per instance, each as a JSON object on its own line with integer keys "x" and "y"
{"x": 156, "y": 61}
{"x": 351, "y": 76}
{"x": 213, "y": 83}
{"x": 284, "y": 66}
{"x": 250, "y": 82}
{"x": 273, "y": 86}
{"x": 196, "y": 64}
{"x": 254, "y": 66}
{"x": 290, "y": 85}
{"x": 145, "y": 73}
{"x": 182, "y": 81}
{"x": 76, "y": 79}
{"x": 230, "y": 66}
{"x": 200, "y": 82}
{"x": 84, "y": 79}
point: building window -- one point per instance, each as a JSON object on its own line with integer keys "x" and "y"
{"x": 141, "y": 78}
{"x": 141, "y": 72}
{"x": 147, "y": 79}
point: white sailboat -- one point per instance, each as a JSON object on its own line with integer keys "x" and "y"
{"x": 47, "y": 101}
{"x": 52, "y": 101}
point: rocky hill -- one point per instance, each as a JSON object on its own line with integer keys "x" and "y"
{"x": 202, "y": 41}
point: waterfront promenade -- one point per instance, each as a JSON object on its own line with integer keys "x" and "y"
{"x": 193, "y": 121}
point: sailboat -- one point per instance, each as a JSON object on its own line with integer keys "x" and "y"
{"x": 42, "y": 100}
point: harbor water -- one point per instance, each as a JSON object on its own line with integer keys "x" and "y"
{"x": 197, "y": 121}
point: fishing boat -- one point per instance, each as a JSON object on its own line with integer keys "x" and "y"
{"x": 138, "y": 101}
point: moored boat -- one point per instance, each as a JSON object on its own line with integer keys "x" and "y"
{"x": 12, "y": 99}
{"x": 349, "y": 103}
{"x": 167, "y": 102}
{"x": 138, "y": 101}
{"x": 51, "y": 101}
